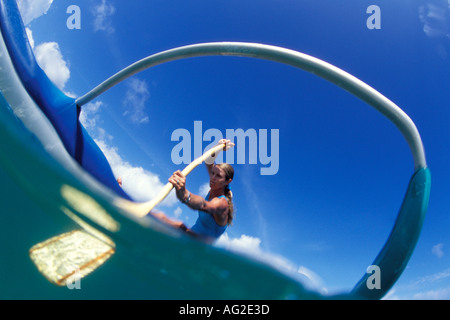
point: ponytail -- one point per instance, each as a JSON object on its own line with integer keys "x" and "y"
{"x": 229, "y": 174}
{"x": 229, "y": 196}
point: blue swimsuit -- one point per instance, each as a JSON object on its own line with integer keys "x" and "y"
{"x": 207, "y": 226}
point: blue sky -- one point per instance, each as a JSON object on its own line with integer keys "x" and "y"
{"x": 341, "y": 169}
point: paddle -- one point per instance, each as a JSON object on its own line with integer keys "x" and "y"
{"x": 142, "y": 209}
{"x": 68, "y": 257}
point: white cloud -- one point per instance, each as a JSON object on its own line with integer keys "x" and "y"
{"x": 435, "y": 19}
{"x": 251, "y": 247}
{"x": 50, "y": 59}
{"x": 438, "y": 294}
{"x": 89, "y": 116}
{"x": 102, "y": 14}
{"x": 135, "y": 100}
{"x": 245, "y": 244}
{"x": 434, "y": 294}
{"x": 139, "y": 183}
{"x": 433, "y": 278}
{"x": 48, "y": 54}
{"x": 177, "y": 213}
{"x": 431, "y": 287}
{"x": 437, "y": 250}
{"x": 32, "y": 9}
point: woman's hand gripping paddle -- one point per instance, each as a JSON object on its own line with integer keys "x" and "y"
{"x": 142, "y": 209}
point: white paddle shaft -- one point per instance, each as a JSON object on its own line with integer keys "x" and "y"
{"x": 142, "y": 209}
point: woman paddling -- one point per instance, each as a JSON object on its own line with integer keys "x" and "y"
{"x": 215, "y": 211}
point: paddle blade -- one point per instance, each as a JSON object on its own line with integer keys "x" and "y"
{"x": 69, "y": 256}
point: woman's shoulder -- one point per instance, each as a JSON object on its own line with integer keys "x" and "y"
{"x": 216, "y": 205}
